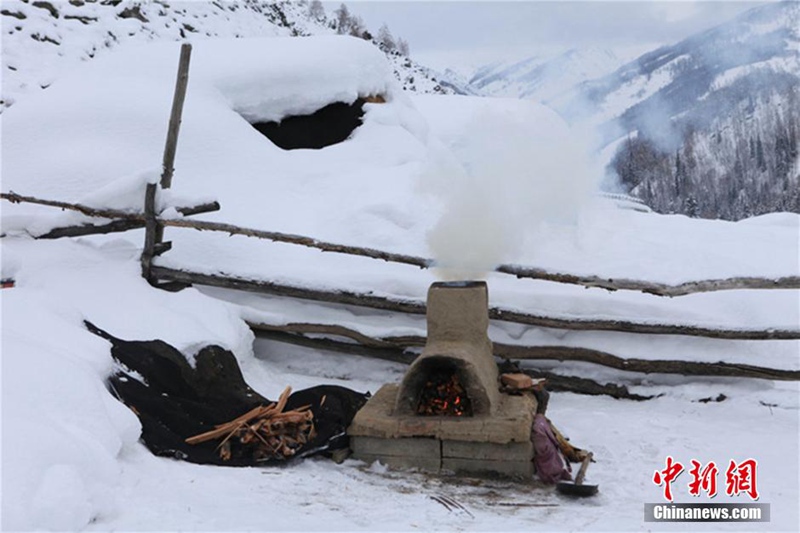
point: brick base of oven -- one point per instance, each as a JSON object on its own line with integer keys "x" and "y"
{"x": 496, "y": 444}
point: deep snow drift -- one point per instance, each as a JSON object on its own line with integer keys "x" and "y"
{"x": 70, "y": 454}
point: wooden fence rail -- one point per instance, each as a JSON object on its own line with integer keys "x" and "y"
{"x": 496, "y": 313}
{"x": 659, "y": 289}
{"x": 397, "y": 349}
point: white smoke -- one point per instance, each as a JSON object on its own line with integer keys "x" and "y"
{"x": 509, "y": 173}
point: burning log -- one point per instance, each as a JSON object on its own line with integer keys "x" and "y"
{"x": 443, "y": 395}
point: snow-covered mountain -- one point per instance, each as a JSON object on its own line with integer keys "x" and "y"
{"x": 544, "y": 76}
{"x": 695, "y": 79}
{"x": 705, "y": 127}
{"x": 711, "y": 121}
{"x": 43, "y": 41}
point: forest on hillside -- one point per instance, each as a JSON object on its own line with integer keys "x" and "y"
{"x": 741, "y": 165}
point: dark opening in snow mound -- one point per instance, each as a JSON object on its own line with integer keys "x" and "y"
{"x": 330, "y": 125}
{"x": 174, "y": 401}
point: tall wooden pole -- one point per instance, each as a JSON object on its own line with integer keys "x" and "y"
{"x": 175, "y": 116}
{"x": 154, "y": 232}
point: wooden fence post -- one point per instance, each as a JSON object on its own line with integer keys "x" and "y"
{"x": 175, "y": 117}
{"x": 154, "y": 232}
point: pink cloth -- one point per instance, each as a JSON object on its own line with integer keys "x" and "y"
{"x": 547, "y": 459}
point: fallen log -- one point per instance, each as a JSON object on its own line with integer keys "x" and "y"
{"x": 610, "y": 284}
{"x": 495, "y": 313}
{"x": 399, "y": 349}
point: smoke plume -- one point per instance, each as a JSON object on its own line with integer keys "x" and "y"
{"x": 508, "y": 174}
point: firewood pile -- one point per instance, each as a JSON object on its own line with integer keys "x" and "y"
{"x": 268, "y": 431}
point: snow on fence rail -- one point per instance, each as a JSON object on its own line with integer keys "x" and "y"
{"x": 136, "y": 220}
{"x": 496, "y": 313}
{"x": 395, "y": 348}
{"x": 127, "y": 220}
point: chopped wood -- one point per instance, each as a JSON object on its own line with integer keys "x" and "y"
{"x": 516, "y": 381}
{"x": 269, "y": 430}
{"x": 572, "y": 453}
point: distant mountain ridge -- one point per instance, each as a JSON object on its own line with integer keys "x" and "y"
{"x": 680, "y": 83}
{"x": 712, "y": 122}
{"x": 542, "y": 77}
{"x": 705, "y": 127}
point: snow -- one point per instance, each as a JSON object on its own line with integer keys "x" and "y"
{"x": 37, "y": 64}
{"x": 71, "y": 460}
{"x": 639, "y": 88}
{"x": 790, "y": 63}
{"x": 83, "y": 469}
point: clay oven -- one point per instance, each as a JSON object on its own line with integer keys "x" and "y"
{"x": 447, "y": 414}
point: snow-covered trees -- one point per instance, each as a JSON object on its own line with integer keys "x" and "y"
{"x": 316, "y": 11}
{"x": 342, "y": 20}
{"x": 385, "y": 39}
{"x": 402, "y": 46}
{"x": 741, "y": 165}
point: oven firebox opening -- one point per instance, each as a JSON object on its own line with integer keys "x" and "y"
{"x": 444, "y": 394}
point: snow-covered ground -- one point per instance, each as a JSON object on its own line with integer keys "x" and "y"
{"x": 471, "y": 182}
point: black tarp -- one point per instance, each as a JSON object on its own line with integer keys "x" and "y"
{"x": 175, "y": 400}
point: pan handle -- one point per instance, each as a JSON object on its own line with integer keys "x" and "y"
{"x": 582, "y": 471}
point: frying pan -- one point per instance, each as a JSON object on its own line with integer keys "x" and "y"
{"x": 577, "y": 488}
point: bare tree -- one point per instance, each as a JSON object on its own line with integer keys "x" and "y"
{"x": 402, "y": 46}
{"x": 358, "y": 28}
{"x": 316, "y": 10}
{"x": 343, "y": 20}
{"x": 385, "y": 39}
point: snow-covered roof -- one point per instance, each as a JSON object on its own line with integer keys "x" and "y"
{"x": 94, "y": 134}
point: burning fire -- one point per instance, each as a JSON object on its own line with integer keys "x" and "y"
{"x": 443, "y": 395}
